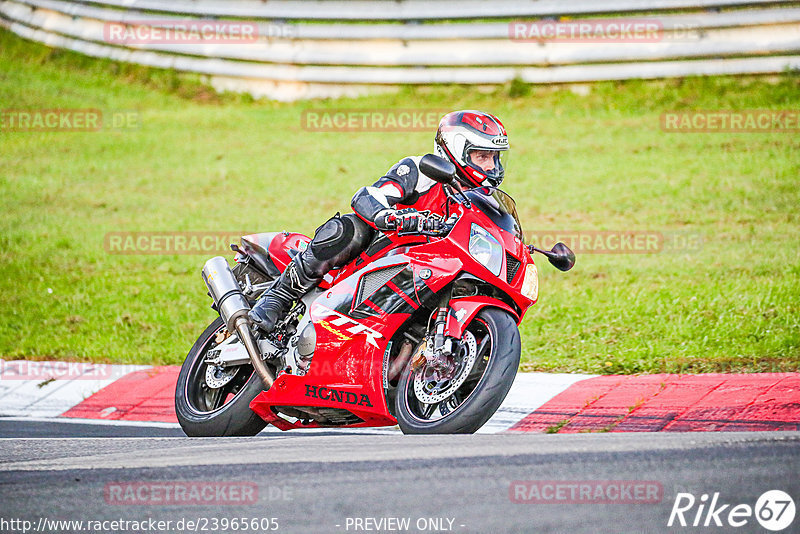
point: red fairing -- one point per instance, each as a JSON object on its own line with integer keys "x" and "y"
{"x": 438, "y": 256}
{"x": 281, "y": 244}
{"x": 463, "y": 310}
{"x": 347, "y": 369}
{"x": 393, "y": 244}
{"x": 354, "y": 320}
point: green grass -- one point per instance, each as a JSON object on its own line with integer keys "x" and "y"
{"x": 201, "y": 161}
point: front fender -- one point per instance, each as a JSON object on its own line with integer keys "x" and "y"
{"x": 463, "y": 310}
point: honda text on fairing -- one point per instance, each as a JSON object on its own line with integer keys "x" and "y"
{"x": 420, "y": 330}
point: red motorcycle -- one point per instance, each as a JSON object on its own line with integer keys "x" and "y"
{"x": 420, "y": 330}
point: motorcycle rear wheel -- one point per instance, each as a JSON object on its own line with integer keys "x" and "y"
{"x": 204, "y": 411}
{"x": 467, "y": 408}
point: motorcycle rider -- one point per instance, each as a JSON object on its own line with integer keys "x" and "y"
{"x": 401, "y": 201}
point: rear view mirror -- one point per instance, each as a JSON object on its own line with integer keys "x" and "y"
{"x": 563, "y": 258}
{"x": 560, "y": 257}
{"x": 437, "y": 168}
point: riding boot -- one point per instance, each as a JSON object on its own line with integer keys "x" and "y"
{"x": 278, "y": 299}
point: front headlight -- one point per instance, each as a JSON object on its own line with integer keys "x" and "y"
{"x": 486, "y": 249}
{"x": 530, "y": 284}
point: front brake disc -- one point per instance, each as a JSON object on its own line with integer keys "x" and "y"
{"x": 217, "y": 376}
{"x": 435, "y": 391}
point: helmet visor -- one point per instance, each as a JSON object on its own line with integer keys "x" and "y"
{"x": 489, "y": 162}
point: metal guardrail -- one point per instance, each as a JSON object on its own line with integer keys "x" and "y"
{"x": 415, "y": 10}
{"x": 413, "y": 32}
{"x": 453, "y": 53}
{"x": 320, "y": 59}
{"x": 389, "y": 76}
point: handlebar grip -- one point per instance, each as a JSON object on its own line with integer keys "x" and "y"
{"x": 437, "y": 227}
{"x": 430, "y": 227}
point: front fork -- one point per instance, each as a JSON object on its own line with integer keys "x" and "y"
{"x": 438, "y": 351}
{"x": 452, "y": 319}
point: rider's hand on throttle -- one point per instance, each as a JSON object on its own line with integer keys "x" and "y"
{"x": 405, "y": 221}
{"x": 409, "y": 221}
{"x": 434, "y": 225}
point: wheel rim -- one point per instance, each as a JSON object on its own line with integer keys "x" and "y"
{"x": 430, "y": 412}
{"x": 198, "y": 393}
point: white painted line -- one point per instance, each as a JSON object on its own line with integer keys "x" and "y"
{"x": 527, "y": 394}
{"x": 98, "y": 422}
{"x": 43, "y": 397}
{"x": 152, "y": 424}
{"x": 45, "y": 400}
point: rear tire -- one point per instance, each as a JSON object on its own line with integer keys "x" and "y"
{"x": 498, "y": 365}
{"x": 232, "y": 417}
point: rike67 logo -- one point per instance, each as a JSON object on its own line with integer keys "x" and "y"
{"x": 774, "y": 510}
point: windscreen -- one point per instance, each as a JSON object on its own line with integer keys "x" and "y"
{"x": 499, "y": 207}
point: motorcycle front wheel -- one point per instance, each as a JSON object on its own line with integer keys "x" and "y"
{"x": 462, "y": 399}
{"x": 221, "y": 408}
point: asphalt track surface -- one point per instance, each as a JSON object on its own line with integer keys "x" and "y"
{"x": 315, "y": 482}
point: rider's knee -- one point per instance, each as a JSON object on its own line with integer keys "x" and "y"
{"x": 336, "y": 242}
{"x": 362, "y": 233}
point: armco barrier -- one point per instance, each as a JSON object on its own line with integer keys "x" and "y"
{"x": 290, "y": 58}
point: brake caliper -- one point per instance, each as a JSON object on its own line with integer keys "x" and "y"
{"x": 431, "y": 385}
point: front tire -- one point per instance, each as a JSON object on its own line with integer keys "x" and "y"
{"x": 224, "y": 411}
{"x": 479, "y": 396}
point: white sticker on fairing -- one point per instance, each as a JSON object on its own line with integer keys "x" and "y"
{"x": 353, "y": 326}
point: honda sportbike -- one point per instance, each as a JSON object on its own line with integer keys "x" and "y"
{"x": 420, "y": 330}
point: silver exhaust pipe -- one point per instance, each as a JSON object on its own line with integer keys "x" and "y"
{"x": 233, "y": 308}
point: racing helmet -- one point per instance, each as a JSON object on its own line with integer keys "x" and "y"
{"x": 476, "y": 143}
